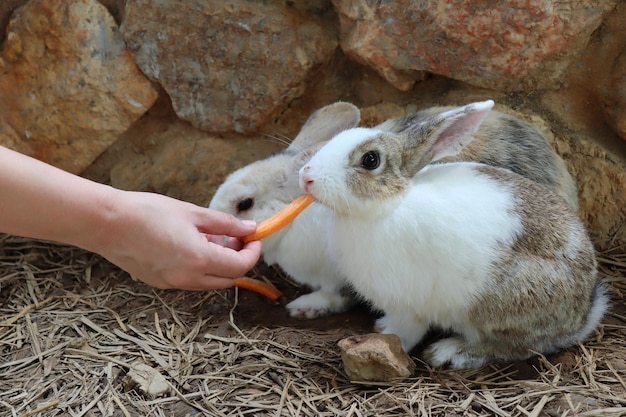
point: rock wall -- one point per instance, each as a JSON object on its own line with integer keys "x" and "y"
{"x": 170, "y": 96}
{"x": 507, "y": 46}
{"x": 69, "y": 85}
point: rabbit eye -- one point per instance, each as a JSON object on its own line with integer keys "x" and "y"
{"x": 245, "y": 204}
{"x": 370, "y": 160}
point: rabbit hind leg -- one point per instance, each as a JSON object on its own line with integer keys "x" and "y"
{"x": 455, "y": 352}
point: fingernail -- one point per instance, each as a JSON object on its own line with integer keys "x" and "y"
{"x": 249, "y": 222}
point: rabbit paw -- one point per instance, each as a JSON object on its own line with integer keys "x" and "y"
{"x": 317, "y": 304}
{"x": 452, "y": 351}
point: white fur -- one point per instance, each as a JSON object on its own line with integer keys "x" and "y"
{"x": 317, "y": 304}
{"x": 305, "y": 260}
{"x": 450, "y": 351}
{"x": 598, "y": 309}
{"x": 407, "y": 256}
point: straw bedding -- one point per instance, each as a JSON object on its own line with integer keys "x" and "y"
{"x": 72, "y": 327}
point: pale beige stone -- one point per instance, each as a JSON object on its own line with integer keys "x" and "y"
{"x": 228, "y": 66}
{"x": 375, "y": 358}
{"x": 147, "y": 380}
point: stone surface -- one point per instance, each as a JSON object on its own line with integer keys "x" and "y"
{"x": 599, "y": 171}
{"x": 227, "y": 66}
{"x": 505, "y": 45}
{"x": 375, "y": 358}
{"x": 6, "y": 9}
{"x": 608, "y": 80}
{"x": 378, "y": 113}
{"x": 614, "y": 100}
{"x": 163, "y": 154}
{"x": 601, "y": 180}
{"x": 146, "y": 380}
{"x": 68, "y": 85}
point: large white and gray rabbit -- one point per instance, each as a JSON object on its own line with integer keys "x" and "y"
{"x": 500, "y": 260}
{"x": 262, "y": 188}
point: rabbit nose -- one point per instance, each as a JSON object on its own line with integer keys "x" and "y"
{"x": 305, "y": 179}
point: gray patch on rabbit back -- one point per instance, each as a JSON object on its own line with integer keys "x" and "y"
{"x": 531, "y": 158}
{"x": 504, "y": 141}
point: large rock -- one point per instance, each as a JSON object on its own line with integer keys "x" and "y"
{"x": 161, "y": 153}
{"x": 68, "y": 85}
{"x": 227, "y": 66}
{"x": 375, "y": 358}
{"x": 506, "y": 46}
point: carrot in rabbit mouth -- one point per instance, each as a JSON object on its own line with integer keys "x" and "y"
{"x": 280, "y": 219}
{"x": 265, "y": 229}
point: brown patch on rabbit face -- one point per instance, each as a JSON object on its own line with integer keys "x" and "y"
{"x": 384, "y": 181}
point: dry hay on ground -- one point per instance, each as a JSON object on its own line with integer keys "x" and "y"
{"x": 72, "y": 325}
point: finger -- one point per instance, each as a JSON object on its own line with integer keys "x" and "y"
{"x": 225, "y": 241}
{"x": 218, "y": 282}
{"x": 219, "y": 223}
{"x": 205, "y": 283}
{"x": 226, "y": 262}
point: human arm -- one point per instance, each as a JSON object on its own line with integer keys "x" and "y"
{"x": 162, "y": 241}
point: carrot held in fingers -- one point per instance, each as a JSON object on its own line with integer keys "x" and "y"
{"x": 280, "y": 219}
{"x": 264, "y": 288}
{"x": 263, "y": 230}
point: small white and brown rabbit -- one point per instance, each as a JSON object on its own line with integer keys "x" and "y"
{"x": 262, "y": 188}
{"x": 500, "y": 260}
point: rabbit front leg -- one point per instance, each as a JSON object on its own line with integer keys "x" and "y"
{"x": 323, "y": 302}
{"x": 406, "y": 325}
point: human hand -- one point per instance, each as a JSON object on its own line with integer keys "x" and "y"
{"x": 168, "y": 243}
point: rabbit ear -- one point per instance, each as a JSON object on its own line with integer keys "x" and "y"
{"x": 443, "y": 134}
{"x": 325, "y": 123}
{"x": 453, "y": 129}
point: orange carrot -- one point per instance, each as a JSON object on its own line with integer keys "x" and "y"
{"x": 280, "y": 219}
{"x": 264, "y": 288}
